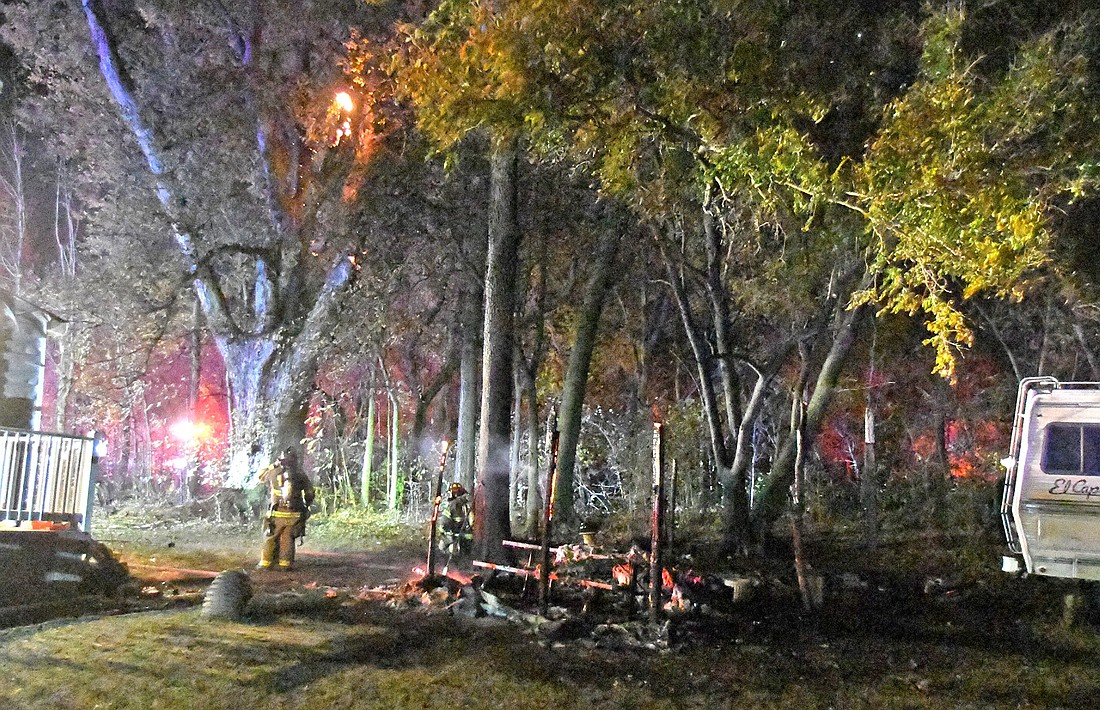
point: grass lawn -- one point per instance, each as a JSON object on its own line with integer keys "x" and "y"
{"x": 369, "y": 655}
{"x": 991, "y": 641}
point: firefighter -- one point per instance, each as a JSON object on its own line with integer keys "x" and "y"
{"x": 457, "y": 530}
{"x": 291, "y": 495}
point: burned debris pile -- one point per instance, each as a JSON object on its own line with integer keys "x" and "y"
{"x": 598, "y": 599}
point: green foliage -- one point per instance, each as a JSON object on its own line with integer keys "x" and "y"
{"x": 954, "y": 188}
{"x": 457, "y": 73}
{"x": 960, "y": 181}
{"x": 779, "y": 167}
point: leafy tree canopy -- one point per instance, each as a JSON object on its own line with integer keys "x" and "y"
{"x": 950, "y": 161}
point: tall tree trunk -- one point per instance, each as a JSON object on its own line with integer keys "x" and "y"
{"x": 514, "y": 511}
{"x": 718, "y": 298}
{"x": 736, "y": 515}
{"x": 1090, "y": 354}
{"x": 270, "y": 353}
{"x": 188, "y": 484}
{"x": 469, "y": 381}
{"x": 701, "y": 352}
{"x": 65, "y": 230}
{"x": 773, "y": 496}
{"x": 527, "y": 366}
{"x": 798, "y": 432}
{"x": 11, "y": 179}
{"x": 655, "y": 319}
{"x": 491, "y": 523}
{"x": 933, "y": 486}
{"x": 141, "y": 461}
{"x": 66, "y": 368}
{"x": 576, "y": 373}
{"x": 734, "y": 502}
{"x": 393, "y": 483}
{"x": 533, "y": 507}
{"x": 366, "y": 471}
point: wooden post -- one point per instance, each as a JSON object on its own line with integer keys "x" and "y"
{"x": 869, "y": 480}
{"x": 437, "y": 501}
{"x": 655, "y": 576}
{"x": 548, "y": 510}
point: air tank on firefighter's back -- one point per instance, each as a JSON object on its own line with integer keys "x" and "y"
{"x": 1051, "y": 502}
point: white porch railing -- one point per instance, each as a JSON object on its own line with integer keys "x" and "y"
{"x": 45, "y": 477}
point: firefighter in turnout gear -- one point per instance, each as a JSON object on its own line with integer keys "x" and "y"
{"x": 291, "y": 495}
{"x": 457, "y": 529}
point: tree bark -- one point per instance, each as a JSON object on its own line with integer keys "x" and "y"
{"x": 576, "y": 373}
{"x": 366, "y": 472}
{"x": 393, "y": 483}
{"x": 656, "y": 318}
{"x": 426, "y": 395}
{"x": 773, "y": 496}
{"x": 1090, "y": 354}
{"x": 699, "y": 349}
{"x": 65, "y": 230}
{"x": 533, "y": 507}
{"x": 189, "y": 483}
{"x": 517, "y": 439}
{"x": 469, "y": 381}
{"x": 735, "y": 513}
{"x": 723, "y": 323}
{"x": 491, "y": 522}
{"x": 270, "y": 349}
{"x": 14, "y": 152}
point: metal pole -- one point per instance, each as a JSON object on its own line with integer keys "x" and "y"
{"x": 436, "y": 502}
{"x": 548, "y": 510}
{"x": 655, "y": 534}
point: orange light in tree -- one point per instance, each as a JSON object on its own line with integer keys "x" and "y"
{"x": 189, "y": 432}
{"x": 342, "y": 103}
{"x": 343, "y": 100}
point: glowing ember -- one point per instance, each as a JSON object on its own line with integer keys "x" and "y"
{"x": 459, "y": 577}
{"x": 678, "y": 602}
{"x": 622, "y": 574}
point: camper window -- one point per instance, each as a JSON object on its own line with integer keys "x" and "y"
{"x": 1072, "y": 448}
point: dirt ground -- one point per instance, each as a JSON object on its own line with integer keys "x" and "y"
{"x": 184, "y": 558}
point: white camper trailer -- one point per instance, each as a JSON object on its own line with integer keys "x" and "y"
{"x": 1051, "y": 503}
